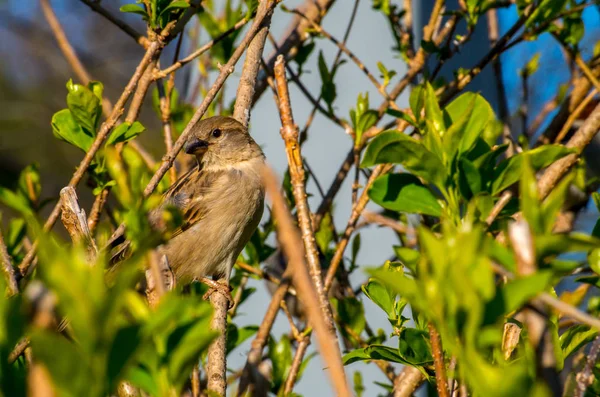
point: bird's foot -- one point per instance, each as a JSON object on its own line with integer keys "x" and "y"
{"x": 221, "y": 286}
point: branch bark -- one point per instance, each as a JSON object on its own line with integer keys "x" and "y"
{"x": 8, "y": 268}
{"x": 407, "y": 381}
{"x": 291, "y": 243}
{"x": 289, "y": 133}
{"x": 75, "y": 221}
{"x": 294, "y": 37}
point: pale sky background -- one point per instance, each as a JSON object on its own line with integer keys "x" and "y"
{"x": 328, "y": 144}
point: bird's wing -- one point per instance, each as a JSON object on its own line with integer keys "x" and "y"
{"x": 192, "y": 194}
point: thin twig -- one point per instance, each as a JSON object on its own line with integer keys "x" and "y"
{"x": 96, "y": 210}
{"x": 296, "y": 364}
{"x": 293, "y": 38}
{"x": 578, "y": 142}
{"x": 535, "y": 320}
{"x": 342, "y": 46}
{"x": 251, "y": 375}
{"x": 357, "y": 210}
{"x": 140, "y": 39}
{"x": 438, "y": 361}
{"x": 336, "y": 60}
{"x": 63, "y": 42}
{"x": 291, "y": 243}
{"x": 182, "y": 62}
{"x": 8, "y": 268}
{"x": 574, "y": 116}
{"x": 586, "y": 377}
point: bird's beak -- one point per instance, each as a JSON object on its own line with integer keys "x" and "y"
{"x": 195, "y": 146}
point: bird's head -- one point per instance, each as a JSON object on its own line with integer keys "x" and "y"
{"x": 221, "y": 141}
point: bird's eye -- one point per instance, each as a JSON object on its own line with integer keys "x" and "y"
{"x": 216, "y": 133}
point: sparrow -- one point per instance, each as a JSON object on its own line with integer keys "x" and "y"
{"x": 221, "y": 201}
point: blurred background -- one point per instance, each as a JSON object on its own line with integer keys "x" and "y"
{"x": 33, "y": 74}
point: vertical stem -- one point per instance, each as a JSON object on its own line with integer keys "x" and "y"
{"x": 296, "y": 363}
{"x": 217, "y": 352}
{"x": 289, "y": 133}
{"x": 438, "y": 361}
{"x": 7, "y": 268}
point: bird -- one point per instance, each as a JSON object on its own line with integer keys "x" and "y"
{"x": 221, "y": 201}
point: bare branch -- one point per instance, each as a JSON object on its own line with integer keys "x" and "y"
{"x": 95, "y": 6}
{"x": 289, "y": 133}
{"x": 180, "y": 63}
{"x": 245, "y": 91}
{"x": 291, "y": 243}
{"x": 357, "y": 210}
{"x": 7, "y": 268}
{"x": 251, "y": 375}
{"x": 438, "y": 361}
{"x": 586, "y": 377}
{"x": 408, "y": 381}
{"x": 294, "y": 37}
{"x": 295, "y": 367}
{"x": 579, "y": 141}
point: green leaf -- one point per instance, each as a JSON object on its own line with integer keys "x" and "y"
{"x": 15, "y": 201}
{"x": 280, "y": 354}
{"x": 401, "y": 115}
{"x": 516, "y": 293}
{"x": 135, "y": 9}
{"x": 387, "y": 75}
{"x": 85, "y": 107}
{"x": 416, "y": 101}
{"x": 530, "y": 202}
{"x": 381, "y": 296}
{"x": 433, "y": 114}
{"x": 324, "y": 236}
{"x": 124, "y": 346}
{"x": 352, "y": 314}
{"x": 176, "y": 5}
{"x": 66, "y": 128}
{"x": 468, "y": 116}
{"x": 576, "y": 337}
{"x": 404, "y": 193}
{"x": 398, "y": 148}
{"x": 532, "y": 65}
{"x": 195, "y": 338}
{"x": 469, "y": 178}
{"x": 328, "y": 90}
{"x": 359, "y": 387}
{"x": 125, "y": 132}
{"x": 556, "y": 244}
{"x": 65, "y": 363}
{"x": 414, "y": 346}
{"x": 30, "y": 185}
{"x": 374, "y": 352}
{"x": 509, "y": 171}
